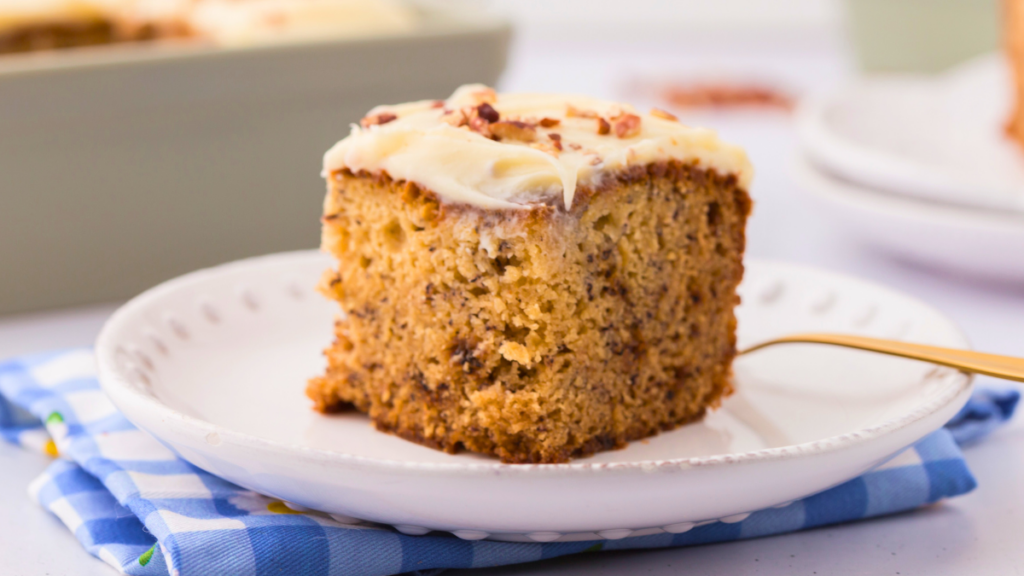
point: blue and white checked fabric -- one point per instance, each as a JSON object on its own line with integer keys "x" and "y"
{"x": 133, "y": 504}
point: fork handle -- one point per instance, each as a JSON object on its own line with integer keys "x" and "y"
{"x": 1005, "y": 367}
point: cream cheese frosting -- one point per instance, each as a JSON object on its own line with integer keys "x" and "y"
{"x": 239, "y": 22}
{"x": 154, "y": 12}
{"x": 17, "y": 13}
{"x": 516, "y": 150}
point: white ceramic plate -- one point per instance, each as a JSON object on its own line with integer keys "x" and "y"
{"x": 976, "y": 242}
{"x": 934, "y": 137}
{"x": 213, "y": 364}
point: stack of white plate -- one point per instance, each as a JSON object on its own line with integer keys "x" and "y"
{"x": 921, "y": 167}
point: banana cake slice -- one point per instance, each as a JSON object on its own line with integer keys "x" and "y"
{"x": 536, "y": 277}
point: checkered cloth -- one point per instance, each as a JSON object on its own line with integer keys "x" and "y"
{"x": 133, "y": 504}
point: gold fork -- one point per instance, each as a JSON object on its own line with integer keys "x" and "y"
{"x": 1006, "y": 367}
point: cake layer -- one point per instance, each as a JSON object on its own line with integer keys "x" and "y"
{"x": 535, "y": 334}
{"x": 519, "y": 150}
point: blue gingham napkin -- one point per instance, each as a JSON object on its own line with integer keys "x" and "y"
{"x": 133, "y": 504}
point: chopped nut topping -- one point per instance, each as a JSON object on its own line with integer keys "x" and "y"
{"x": 552, "y": 148}
{"x": 603, "y": 127}
{"x": 377, "y": 119}
{"x": 574, "y": 146}
{"x": 480, "y": 126}
{"x": 556, "y": 139}
{"x": 477, "y": 118}
{"x": 574, "y": 112}
{"x": 487, "y": 112}
{"x": 455, "y": 118}
{"x": 659, "y": 113}
{"x": 626, "y": 125}
{"x": 513, "y": 130}
{"x": 549, "y": 122}
{"x": 555, "y": 136}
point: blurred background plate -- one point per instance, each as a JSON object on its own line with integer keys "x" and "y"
{"x": 979, "y": 243}
{"x": 938, "y": 137}
{"x": 127, "y": 165}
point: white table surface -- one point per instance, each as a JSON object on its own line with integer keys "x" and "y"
{"x": 976, "y": 534}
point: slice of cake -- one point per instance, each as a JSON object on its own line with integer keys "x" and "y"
{"x": 535, "y": 277}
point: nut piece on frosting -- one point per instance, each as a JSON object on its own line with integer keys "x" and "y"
{"x": 626, "y": 125}
{"x": 659, "y": 113}
{"x": 514, "y": 130}
{"x": 574, "y": 112}
{"x": 377, "y": 119}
